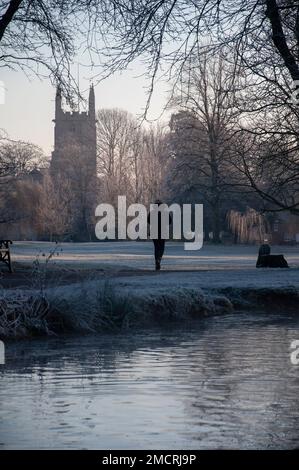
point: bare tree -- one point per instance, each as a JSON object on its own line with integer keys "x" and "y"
{"x": 270, "y": 164}
{"x": 117, "y": 136}
{"x": 53, "y": 209}
{"x": 132, "y": 160}
{"x": 43, "y": 36}
{"x": 37, "y": 36}
{"x": 262, "y": 38}
{"x": 165, "y": 33}
{"x": 17, "y": 160}
{"x": 156, "y": 163}
{"x": 149, "y": 28}
{"x": 201, "y": 137}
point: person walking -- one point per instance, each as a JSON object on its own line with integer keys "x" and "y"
{"x": 159, "y": 242}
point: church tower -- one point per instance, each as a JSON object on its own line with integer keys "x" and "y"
{"x": 73, "y": 163}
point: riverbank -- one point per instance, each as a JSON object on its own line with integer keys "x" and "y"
{"x": 69, "y": 293}
{"x": 119, "y": 305}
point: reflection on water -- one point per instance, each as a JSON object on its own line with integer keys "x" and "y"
{"x": 224, "y": 382}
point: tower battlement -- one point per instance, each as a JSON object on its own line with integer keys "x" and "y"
{"x": 61, "y": 114}
{"x": 73, "y": 128}
{"x": 71, "y": 115}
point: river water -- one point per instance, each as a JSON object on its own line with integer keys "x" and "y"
{"x": 222, "y": 382}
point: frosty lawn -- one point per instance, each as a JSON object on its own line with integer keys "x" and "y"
{"x": 139, "y": 254}
{"x": 129, "y": 265}
{"x": 212, "y": 266}
{"x": 119, "y": 289}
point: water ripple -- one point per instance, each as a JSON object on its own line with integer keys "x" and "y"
{"x": 224, "y": 382}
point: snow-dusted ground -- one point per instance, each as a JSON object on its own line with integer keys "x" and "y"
{"x": 214, "y": 280}
{"x": 210, "y": 267}
{"x": 211, "y": 280}
{"x": 140, "y": 255}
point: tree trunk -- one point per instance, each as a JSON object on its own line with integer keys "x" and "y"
{"x": 216, "y": 223}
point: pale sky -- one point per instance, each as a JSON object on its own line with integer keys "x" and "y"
{"x": 29, "y": 104}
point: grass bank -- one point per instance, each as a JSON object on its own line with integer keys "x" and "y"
{"x": 101, "y": 306}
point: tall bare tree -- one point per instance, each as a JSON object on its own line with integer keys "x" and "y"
{"x": 132, "y": 160}
{"x": 156, "y": 163}
{"x": 118, "y": 134}
{"x": 201, "y": 137}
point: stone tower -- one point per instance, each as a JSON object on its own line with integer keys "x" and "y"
{"x": 73, "y": 164}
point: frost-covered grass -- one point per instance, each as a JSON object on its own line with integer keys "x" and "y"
{"x": 139, "y": 255}
{"x": 99, "y": 307}
{"x": 30, "y": 312}
{"x": 103, "y": 306}
{"x": 129, "y": 294}
{"x": 23, "y": 314}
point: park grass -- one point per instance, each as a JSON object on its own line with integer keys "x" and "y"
{"x": 55, "y": 300}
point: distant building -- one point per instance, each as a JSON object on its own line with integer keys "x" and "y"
{"x": 73, "y": 163}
